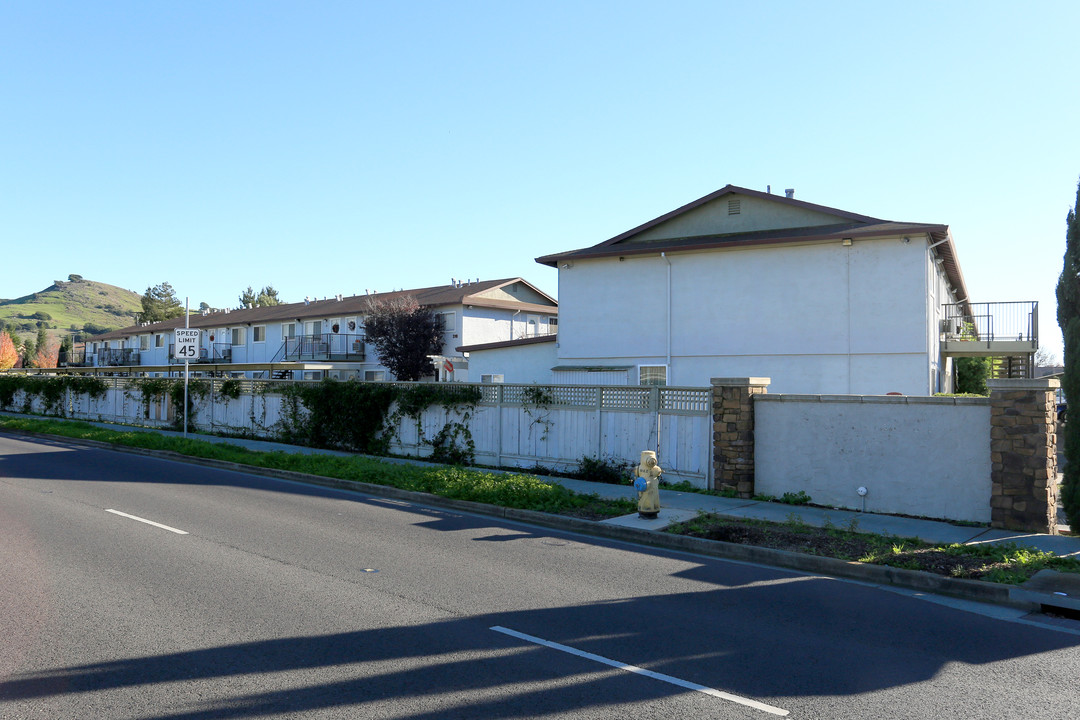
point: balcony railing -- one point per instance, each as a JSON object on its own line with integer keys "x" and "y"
{"x": 215, "y": 353}
{"x": 74, "y": 358}
{"x": 114, "y": 357}
{"x": 993, "y": 323}
{"x": 326, "y": 346}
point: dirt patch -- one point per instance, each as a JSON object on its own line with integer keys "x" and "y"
{"x": 1006, "y": 564}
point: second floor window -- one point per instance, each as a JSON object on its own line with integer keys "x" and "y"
{"x": 258, "y": 333}
{"x": 239, "y": 337}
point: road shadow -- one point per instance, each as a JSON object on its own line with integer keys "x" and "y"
{"x": 770, "y": 653}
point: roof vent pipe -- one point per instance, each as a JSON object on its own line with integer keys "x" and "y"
{"x": 790, "y": 192}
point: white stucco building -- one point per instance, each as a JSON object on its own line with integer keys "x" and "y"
{"x": 743, "y": 283}
{"x": 323, "y": 338}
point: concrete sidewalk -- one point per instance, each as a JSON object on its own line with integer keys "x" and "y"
{"x": 678, "y": 506}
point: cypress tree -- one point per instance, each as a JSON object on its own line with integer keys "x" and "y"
{"x": 1068, "y": 316}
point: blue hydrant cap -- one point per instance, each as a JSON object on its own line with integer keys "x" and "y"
{"x": 641, "y": 484}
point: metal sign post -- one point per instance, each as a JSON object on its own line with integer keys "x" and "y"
{"x": 187, "y": 347}
{"x": 187, "y": 326}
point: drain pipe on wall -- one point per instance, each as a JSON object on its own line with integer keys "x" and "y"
{"x": 664, "y": 257}
{"x": 516, "y": 312}
{"x": 667, "y": 366}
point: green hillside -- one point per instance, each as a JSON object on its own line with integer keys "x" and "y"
{"x": 64, "y": 308}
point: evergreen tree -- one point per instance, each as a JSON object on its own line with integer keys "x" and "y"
{"x": 268, "y": 297}
{"x": 1068, "y": 316}
{"x": 404, "y": 334}
{"x": 29, "y": 349}
{"x": 160, "y": 303}
{"x": 248, "y": 298}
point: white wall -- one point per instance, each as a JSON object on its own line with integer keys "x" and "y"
{"x": 795, "y": 313}
{"x": 522, "y": 364}
{"x": 916, "y": 456}
{"x": 488, "y": 325}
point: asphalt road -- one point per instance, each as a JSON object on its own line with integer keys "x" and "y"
{"x": 283, "y": 600}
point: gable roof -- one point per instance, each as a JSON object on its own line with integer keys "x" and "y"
{"x": 430, "y": 297}
{"x": 847, "y": 225}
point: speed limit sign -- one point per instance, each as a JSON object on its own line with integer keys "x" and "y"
{"x": 187, "y": 344}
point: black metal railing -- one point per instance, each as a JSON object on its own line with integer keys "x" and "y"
{"x": 113, "y": 357}
{"x": 74, "y": 358}
{"x": 326, "y": 346}
{"x": 215, "y": 353}
{"x": 993, "y": 322}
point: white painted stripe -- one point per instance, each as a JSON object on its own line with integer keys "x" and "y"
{"x": 148, "y": 522}
{"x": 642, "y": 671}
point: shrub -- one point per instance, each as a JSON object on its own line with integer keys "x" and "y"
{"x": 609, "y": 470}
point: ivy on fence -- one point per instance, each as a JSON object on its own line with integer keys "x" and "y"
{"x": 156, "y": 389}
{"x": 50, "y": 390}
{"x": 356, "y": 416}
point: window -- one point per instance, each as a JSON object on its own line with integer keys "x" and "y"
{"x": 532, "y": 325}
{"x": 288, "y": 330}
{"x": 553, "y": 323}
{"x": 652, "y": 375}
{"x": 159, "y": 340}
{"x": 448, "y": 324}
{"x": 491, "y": 378}
{"x": 239, "y": 337}
{"x": 144, "y": 342}
{"x": 258, "y": 334}
{"x": 374, "y": 375}
{"x": 313, "y": 374}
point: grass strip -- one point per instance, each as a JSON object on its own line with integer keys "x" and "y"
{"x": 510, "y": 490}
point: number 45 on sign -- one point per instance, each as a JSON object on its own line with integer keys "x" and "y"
{"x": 187, "y": 344}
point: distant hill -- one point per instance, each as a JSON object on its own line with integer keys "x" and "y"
{"x": 63, "y": 308}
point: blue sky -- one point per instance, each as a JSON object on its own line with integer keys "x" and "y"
{"x": 335, "y": 147}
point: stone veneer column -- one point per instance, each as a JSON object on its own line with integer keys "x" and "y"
{"x": 1023, "y": 455}
{"x": 733, "y": 432}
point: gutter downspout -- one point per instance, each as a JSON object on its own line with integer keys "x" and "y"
{"x": 516, "y": 313}
{"x": 664, "y": 257}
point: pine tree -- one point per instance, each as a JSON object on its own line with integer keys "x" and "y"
{"x": 1068, "y": 316}
{"x": 160, "y": 303}
{"x": 268, "y": 297}
{"x": 248, "y": 298}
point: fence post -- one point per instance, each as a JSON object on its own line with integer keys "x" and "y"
{"x": 1023, "y": 454}
{"x": 733, "y": 432}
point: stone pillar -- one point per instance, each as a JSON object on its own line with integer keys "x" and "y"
{"x": 1023, "y": 455}
{"x": 733, "y": 432}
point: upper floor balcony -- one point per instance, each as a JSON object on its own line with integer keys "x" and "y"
{"x": 998, "y": 329}
{"x": 325, "y": 346}
{"x": 214, "y": 353}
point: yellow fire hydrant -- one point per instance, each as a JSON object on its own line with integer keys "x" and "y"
{"x": 648, "y": 485}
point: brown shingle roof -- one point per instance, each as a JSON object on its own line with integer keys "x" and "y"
{"x": 849, "y": 225}
{"x": 433, "y": 297}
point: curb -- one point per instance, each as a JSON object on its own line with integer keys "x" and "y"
{"x": 918, "y": 580}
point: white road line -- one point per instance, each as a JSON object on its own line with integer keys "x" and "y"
{"x": 642, "y": 671}
{"x": 148, "y": 522}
